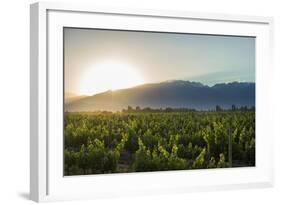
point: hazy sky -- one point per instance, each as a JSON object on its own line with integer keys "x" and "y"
{"x": 145, "y": 57}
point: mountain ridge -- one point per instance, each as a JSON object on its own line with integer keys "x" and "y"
{"x": 174, "y": 94}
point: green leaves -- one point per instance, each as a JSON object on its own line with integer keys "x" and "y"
{"x": 105, "y": 142}
{"x": 199, "y": 161}
{"x": 221, "y": 163}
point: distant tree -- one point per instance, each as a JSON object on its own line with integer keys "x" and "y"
{"x": 147, "y": 109}
{"x": 233, "y": 107}
{"x": 138, "y": 108}
{"x": 218, "y": 108}
{"x": 168, "y": 109}
{"x": 130, "y": 108}
{"x": 243, "y": 108}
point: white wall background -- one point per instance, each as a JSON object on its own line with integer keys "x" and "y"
{"x": 14, "y": 101}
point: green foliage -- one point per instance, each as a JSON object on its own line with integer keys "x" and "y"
{"x": 141, "y": 140}
{"x": 221, "y": 162}
{"x": 212, "y": 163}
{"x": 199, "y": 161}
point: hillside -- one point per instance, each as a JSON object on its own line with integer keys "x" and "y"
{"x": 175, "y": 94}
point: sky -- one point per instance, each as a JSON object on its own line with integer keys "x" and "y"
{"x": 99, "y": 60}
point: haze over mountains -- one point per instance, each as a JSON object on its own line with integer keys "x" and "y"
{"x": 70, "y": 97}
{"x": 174, "y": 94}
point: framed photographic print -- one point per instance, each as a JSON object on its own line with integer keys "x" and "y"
{"x": 127, "y": 102}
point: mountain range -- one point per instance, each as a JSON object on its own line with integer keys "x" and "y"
{"x": 174, "y": 94}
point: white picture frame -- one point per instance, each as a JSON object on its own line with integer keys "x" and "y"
{"x": 47, "y": 182}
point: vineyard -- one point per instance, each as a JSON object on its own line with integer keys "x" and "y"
{"x": 105, "y": 142}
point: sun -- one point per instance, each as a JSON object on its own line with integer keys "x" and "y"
{"x": 109, "y": 75}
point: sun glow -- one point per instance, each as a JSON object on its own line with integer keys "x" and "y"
{"x": 108, "y": 75}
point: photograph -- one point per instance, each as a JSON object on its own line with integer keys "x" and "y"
{"x": 145, "y": 101}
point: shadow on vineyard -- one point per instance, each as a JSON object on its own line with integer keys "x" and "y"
{"x": 136, "y": 140}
